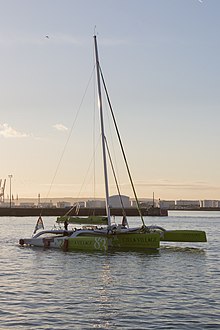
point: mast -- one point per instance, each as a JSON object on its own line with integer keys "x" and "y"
{"x": 102, "y": 132}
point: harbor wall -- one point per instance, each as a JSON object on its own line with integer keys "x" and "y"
{"x": 30, "y": 211}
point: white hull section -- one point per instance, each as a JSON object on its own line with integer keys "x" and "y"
{"x": 94, "y": 239}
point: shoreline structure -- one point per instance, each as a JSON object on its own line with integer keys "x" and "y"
{"x": 55, "y": 211}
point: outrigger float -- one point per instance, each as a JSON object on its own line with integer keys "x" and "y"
{"x": 110, "y": 236}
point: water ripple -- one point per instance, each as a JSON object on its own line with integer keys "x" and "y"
{"x": 175, "y": 288}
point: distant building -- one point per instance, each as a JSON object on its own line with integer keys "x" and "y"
{"x": 46, "y": 205}
{"x": 80, "y": 204}
{"x": 167, "y": 204}
{"x": 146, "y": 203}
{"x": 95, "y": 203}
{"x": 7, "y": 204}
{"x": 210, "y": 203}
{"x": 115, "y": 201}
{"x": 63, "y": 204}
{"x": 27, "y": 205}
{"x": 180, "y": 204}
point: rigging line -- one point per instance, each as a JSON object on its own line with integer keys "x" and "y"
{"x": 112, "y": 143}
{"x": 83, "y": 183}
{"x": 70, "y": 133}
{"x": 94, "y": 135}
{"x": 122, "y": 148}
{"x": 116, "y": 181}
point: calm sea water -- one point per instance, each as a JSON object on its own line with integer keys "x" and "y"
{"x": 176, "y": 288}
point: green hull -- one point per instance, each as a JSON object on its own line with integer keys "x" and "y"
{"x": 117, "y": 241}
{"x": 135, "y": 241}
{"x": 86, "y": 243}
{"x": 131, "y": 241}
{"x": 183, "y": 236}
{"x": 92, "y": 219}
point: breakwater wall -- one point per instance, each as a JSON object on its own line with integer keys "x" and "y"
{"x": 31, "y": 212}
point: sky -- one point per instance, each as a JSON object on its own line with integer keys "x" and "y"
{"x": 160, "y": 59}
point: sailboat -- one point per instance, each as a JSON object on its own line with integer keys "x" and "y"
{"x": 111, "y": 236}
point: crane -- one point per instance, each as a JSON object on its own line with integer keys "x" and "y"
{"x": 2, "y": 190}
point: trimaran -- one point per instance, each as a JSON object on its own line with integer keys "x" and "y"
{"x": 111, "y": 236}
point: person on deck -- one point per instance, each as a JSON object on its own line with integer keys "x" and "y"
{"x": 65, "y": 225}
{"x": 124, "y": 221}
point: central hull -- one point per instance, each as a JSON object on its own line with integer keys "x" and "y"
{"x": 114, "y": 241}
{"x": 97, "y": 242}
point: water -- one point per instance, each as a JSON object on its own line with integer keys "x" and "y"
{"x": 175, "y": 288}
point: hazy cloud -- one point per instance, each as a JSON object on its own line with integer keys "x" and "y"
{"x": 197, "y": 185}
{"x": 60, "y": 127}
{"x": 9, "y": 132}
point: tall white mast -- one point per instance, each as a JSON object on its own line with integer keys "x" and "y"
{"x": 102, "y": 133}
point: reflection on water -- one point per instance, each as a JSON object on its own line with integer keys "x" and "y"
{"x": 182, "y": 249}
{"x": 175, "y": 288}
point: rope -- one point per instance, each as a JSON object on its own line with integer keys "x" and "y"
{"x": 122, "y": 149}
{"x": 116, "y": 181}
{"x": 83, "y": 183}
{"x": 68, "y": 138}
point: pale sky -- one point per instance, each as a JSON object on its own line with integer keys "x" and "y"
{"x": 160, "y": 59}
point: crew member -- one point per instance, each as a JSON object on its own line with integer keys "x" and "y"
{"x": 65, "y": 225}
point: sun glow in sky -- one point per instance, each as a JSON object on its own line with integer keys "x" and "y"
{"x": 160, "y": 59}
